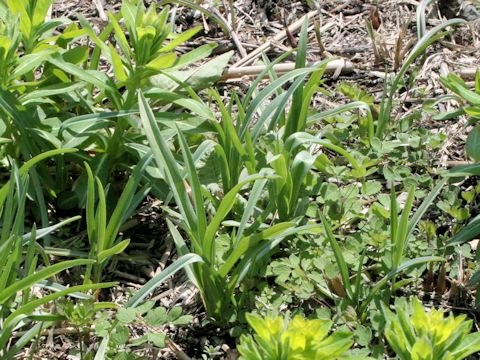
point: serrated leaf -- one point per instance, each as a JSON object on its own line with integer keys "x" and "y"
{"x": 158, "y": 339}
{"x": 126, "y": 315}
{"x": 120, "y": 336}
{"x": 183, "y": 320}
{"x": 139, "y": 341}
{"x": 371, "y": 187}
{"x": 145, "y": 307}
{"x": 157, "y": 317}
{"x": 175, "y": 312}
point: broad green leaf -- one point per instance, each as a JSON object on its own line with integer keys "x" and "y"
{"x": 162, "y": 61}
{"x": 473, "y": 144}
{"x": 199, "y": 78}
{"x": 126, "y": 315}
{"x": 31, "y": 62}
{"x": 117, "y": 63}
{"x": 18, "y": 7}
{"x": 157, "y": 339}
{"x": 157, "y": 317}
{"x": 77, "y": 55}
{"x": 470, "y": 345}
{"x": 41, "y": 10}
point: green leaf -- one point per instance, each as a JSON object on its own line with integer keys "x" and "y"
{"x": 77, "y": 55}
{"x": 465, "y": 170}
{"x": 43, "y": 274}
{"x": 35, "y": 304}
{"x": 122, "y": 41}
{"x": 473, "y": 144}
{"x": 338, "y": 256}
{"x": 18, "y": 7}
{"x": 30, "y": 62}
{"x": 183, "y": 320}
{"x": 222, "y": 210}
{"x": 219, "y": 20}
{"x": 117, "y": 249}
{"x": 126, "y": 315}
{"x": 162, "y": 61}
{"x": 145, "y": 307}
{"x": 40, "y": 233}
{"x": 392, "y": 274}
{"x": 157, "y": 339}
{"x": 56, "y": 89}
{"x": 470, "y": 345}
{"x": 469, "y": 232}
{"x": 363, "y": 335}
{"x": 180, "y": 39}
{"x": 123, "y": 208}
{"x": 401, "y": 234}
{"x": 419, "y": 49}
{"x": 199, "y": 78}
{"x": 201, "y": 223}
{"x": 40, "y": 12}
{"x": 120, "y": 335}
{"x": 101, "y": 353}
{"x": 166, "y": 161}
{"x": 195, "y": 55}
{"x": 152, "y": 284}
{"x": 427, "y": 201}
{"x": 117, "y": 63}
{"x": 371, "y": 187}
{"x": 157, "y": 317}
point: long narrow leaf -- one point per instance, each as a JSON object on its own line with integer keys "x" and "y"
{"x": 40, "y": 275}
{"x": 342, "y": 265}
{"x": 32, "y": 305}
{"x": 165, "y": 160}
{"x": 153, "y": 283}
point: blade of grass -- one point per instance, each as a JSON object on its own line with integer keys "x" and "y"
{"x": 402, "y": 230}
{"x": 395, "y": 272}
{"x": 43, "y": 274}
{"x": 165, "y": 160}
{"x": 342, "y": 265}
{"x": 151, "y": 285}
